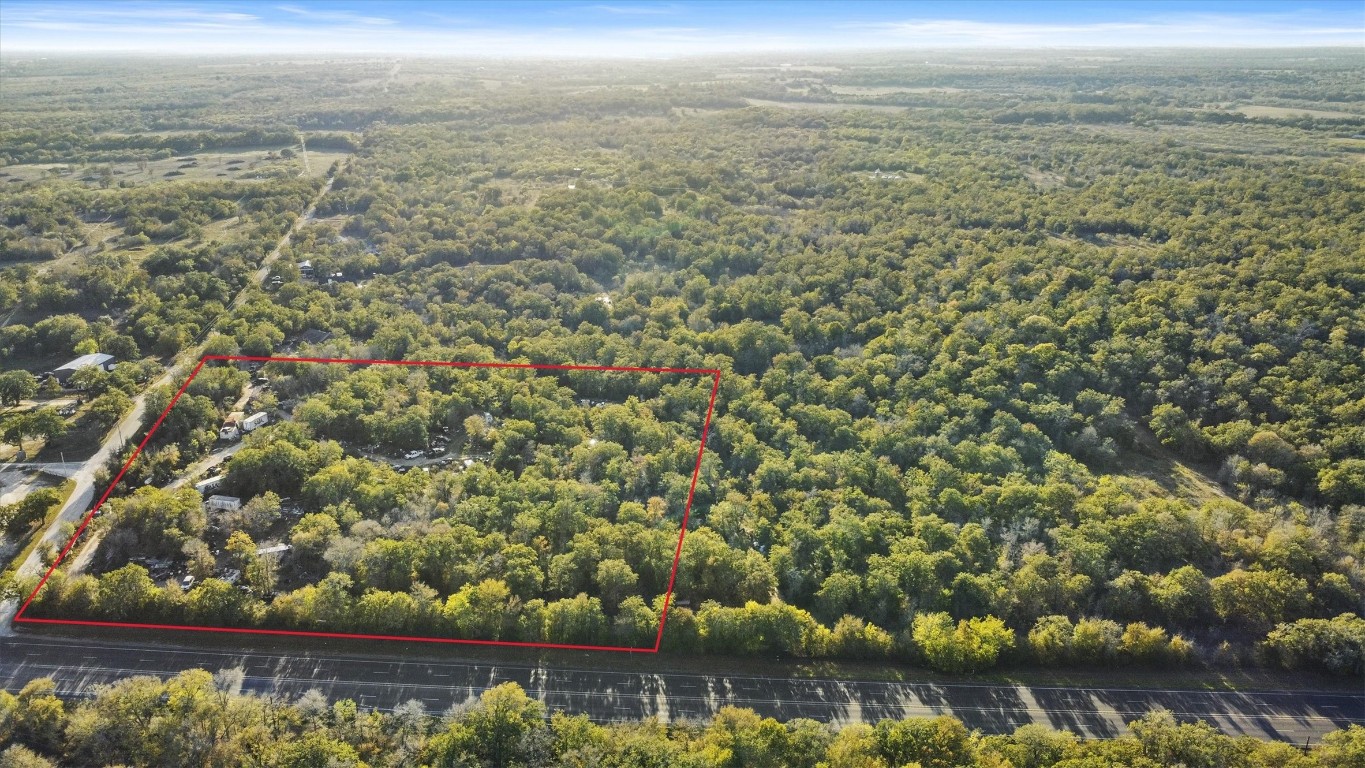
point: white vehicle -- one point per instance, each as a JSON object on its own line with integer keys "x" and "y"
{"x": 255, "y": 420}
{"x": 412, "y": 454}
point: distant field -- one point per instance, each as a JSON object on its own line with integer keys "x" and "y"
{"x": 234, "y": 164}
{"x": 1257, "y": 110}
{"x": 879, "y": 90}
{"x": 822, "y": 106}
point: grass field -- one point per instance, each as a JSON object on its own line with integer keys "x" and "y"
{"x": 230, "y": 164}
{"x": 1259, "y": 110}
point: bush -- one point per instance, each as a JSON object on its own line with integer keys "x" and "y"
{"x": 1336, "y": 645}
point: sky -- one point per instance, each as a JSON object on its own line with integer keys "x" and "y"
{"x": 663, "y": 28}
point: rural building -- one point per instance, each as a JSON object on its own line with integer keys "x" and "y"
{"x": 209, "y": 484}
{"x": 223, "y": 503}
{"x": 274, "y": 549}
{"x": 105, "y": 362}
{"x": 306, "y": 269}
{"x": 232, "y": 426}
{"x": 314, "y": 336}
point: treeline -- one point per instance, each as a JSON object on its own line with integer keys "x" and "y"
{"x": 196, "y": 718}
{"x": 48, "y": 146}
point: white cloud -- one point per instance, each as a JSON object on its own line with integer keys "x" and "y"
{"x": 1182, "y": 31}
{"x": 344, "y": 17}
{"x": 636, "y": 10}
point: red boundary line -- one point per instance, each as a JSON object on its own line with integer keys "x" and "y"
{"x": 677, "y": 554}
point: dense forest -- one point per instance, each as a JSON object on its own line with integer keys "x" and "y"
{"x": 195, "y": 718}
{"x": 1050, "y": 364}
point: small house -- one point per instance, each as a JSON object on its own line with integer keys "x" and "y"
{"x": 273, "y": 549}
{"x": 314, "y": 336}
{"x": 232, "y": 426}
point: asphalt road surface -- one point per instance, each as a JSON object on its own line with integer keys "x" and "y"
{"x": 604, "y": 694}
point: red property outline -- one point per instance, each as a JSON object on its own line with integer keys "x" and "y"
{"x": 677, "y": 554}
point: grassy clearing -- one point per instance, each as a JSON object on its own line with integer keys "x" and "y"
{"x": 1261, "y": 110}
{"x": 881, "y": 90}
{"x": 228, "y": 164}
{"x": 822, "y": 106}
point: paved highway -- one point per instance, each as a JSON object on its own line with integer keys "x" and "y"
{"x": 607, "y": 694}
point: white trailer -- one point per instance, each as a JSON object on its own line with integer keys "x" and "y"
{"x": 255, "y": 420}
{"x": 209, "y": 485}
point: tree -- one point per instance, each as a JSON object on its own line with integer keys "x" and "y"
{"x": 128, "y": 594}
{"x": 318, "y": 750}
{"x": 1175, "y": 430}
{"x": 636, "y": 624}
{"x": 1050, "y": 639}
{"x": 92, "y": 379}
{"x": 108, "y": 408}
{"x": 577, "y": 619}
{"x": 1258, "y": 599}
{"x": 490, "y": 732}
{"x": 1095, "y": 640}
{"x": 40, "y": 422}
{"x": 1344, "y": 483}
{"x": 853, "y": 638}
{"x": 738, "y": 737}
{"x": 1167, "y": 742}
{"x": 1344, "y": 748}
{"x": 240, "y": 549}
{"x": 480, "y": 610}
{"x": 16, "y": 386}
{"x": 39, "y": 717}
{"x": 615, "y": 580}
{"x": 1037, "y": 746}
{"x": 1336, "y": 645}
{"x": 262, "y": 574}
{"x": 256, "y": 516}
{"x": 1143, "y": 643}
{"x": 199, "y": 560}
{"x": 19, "y": 756}
{"x": 313, "y": 533}
{"x": 1182, "y": 596}
{"x": 30, "y": 510}
{"x": 972, "y": 645}
{"x": 940, "y": 742}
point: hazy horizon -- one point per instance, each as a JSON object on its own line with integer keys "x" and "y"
{"x": 559, "y": 29}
